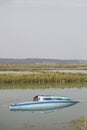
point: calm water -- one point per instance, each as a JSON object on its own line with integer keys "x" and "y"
{"x": 59, "y": 70}
{"x": 50, "y": 120}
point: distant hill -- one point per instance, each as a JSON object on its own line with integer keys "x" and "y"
{"x": 40, "y": 61}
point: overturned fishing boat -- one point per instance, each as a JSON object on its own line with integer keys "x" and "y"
{"x": 44, "y": 102}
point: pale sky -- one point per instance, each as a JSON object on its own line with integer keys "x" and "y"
{"x": 55, "y": 29}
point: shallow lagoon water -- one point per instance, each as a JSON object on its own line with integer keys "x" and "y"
{"x": 40, "y": 120}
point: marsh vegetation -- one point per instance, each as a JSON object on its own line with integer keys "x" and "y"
{"x": 40, "y": 67}
{"x": 44, "y": 78}
{"x": 40, "y": 75}
{"x": 80, "y": 124}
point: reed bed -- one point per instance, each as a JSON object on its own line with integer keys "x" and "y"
{"x": 37, "y": 67}
{"x": 80, "y": 124}
{"x": 43, "y": 78}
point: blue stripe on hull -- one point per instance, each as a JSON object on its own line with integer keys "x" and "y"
{"x": 42, "y": 105}
{"x": 34, "y": 103}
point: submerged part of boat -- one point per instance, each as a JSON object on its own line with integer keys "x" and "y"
{"x": 44, "y": 102}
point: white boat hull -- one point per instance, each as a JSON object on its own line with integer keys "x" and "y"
{"x": 41, "y": 105}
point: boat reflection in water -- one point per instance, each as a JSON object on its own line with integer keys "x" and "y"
{"x": 43, "y": 103}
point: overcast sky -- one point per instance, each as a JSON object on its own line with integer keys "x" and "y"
{"x": 43, "y": 29}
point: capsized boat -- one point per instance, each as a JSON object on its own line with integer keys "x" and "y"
{"x": 44, "y": 102}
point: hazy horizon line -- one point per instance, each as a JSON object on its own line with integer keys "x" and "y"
{"x": 42, "y": 58}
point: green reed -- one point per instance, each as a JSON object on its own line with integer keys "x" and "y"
{"x": 41, "y": 86}
{"x": 38, "y": 67}
{"x": 43, "y": 78}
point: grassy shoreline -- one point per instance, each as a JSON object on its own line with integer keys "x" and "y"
{"x": 80, "y": 124}
{"x": 42, "y": 86}
{"x": 40, "y": 76}
{"x": 41, "y": 67}
{"x": 38, "y": 79}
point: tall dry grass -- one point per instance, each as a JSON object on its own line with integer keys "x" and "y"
{"x": 37, "y": 67}
{"x": 42, "y": 78}
{"x": 80, "y": 124}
